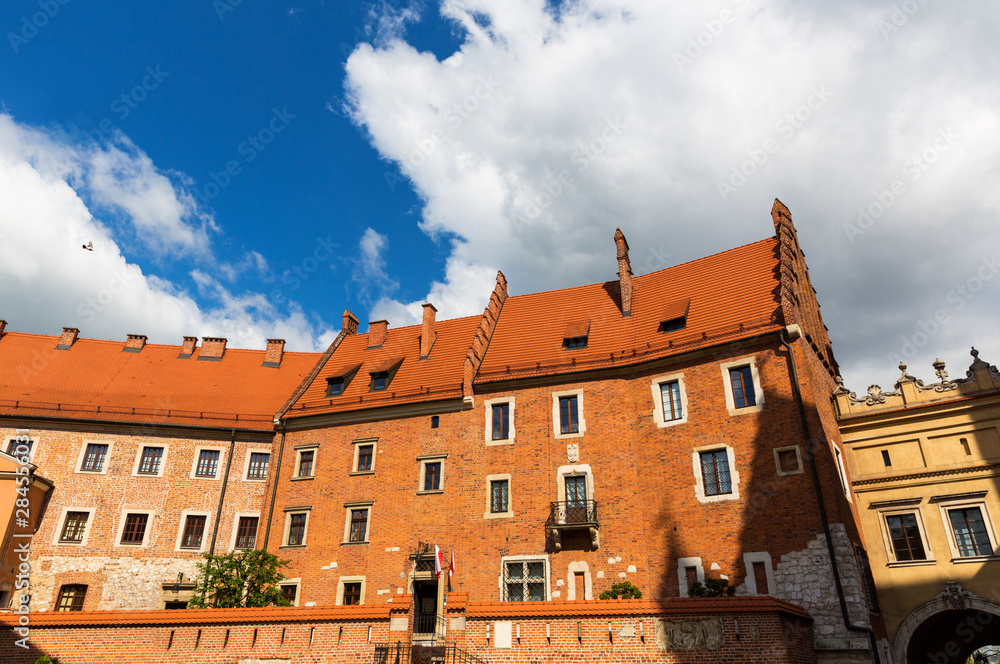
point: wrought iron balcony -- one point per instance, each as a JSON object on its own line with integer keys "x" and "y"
{"x": 411, "y": 653}
{"x": 573, "y": 515}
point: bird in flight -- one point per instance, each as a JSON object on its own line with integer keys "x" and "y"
{"x": 89, "y": 246}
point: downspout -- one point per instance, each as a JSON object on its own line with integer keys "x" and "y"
{"x": 218, "y": 513}
{"x": 822, "y": 505}
{"x": 274, "y": 489}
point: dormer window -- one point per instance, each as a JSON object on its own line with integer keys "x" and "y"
{"x": 337, "y": 381}
{"x": 674, "y": 316}
{"x": 334, "y": 387}
{"x": 382, "y": 374}
{"x": 575, "y": 342}
{"x": 380, "y": 381}
{"x": 672, "y": 325}
{"x": 576, "y": 335}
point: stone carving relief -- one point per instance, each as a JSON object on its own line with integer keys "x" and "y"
{"x": 875, "y": 396}
{"x": 573, "y": 453}
{"x": 689, "y": 634}
{"x": 955, "y": 595}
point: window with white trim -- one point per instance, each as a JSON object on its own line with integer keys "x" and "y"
{"x": 256, "y": 464}
{"x": 150, "y": 461}
{"x": 350, "y": 590}
{"x": 431, "y": 473}
{"x": 305, "y": 461}
{"x": 134, "y": 528}
{"x": 970, "y": 529}
{"x": 290, "y": 590}
{"x": 568, "y": 414}
{"x": 524, "y": 579}
{"x": 904, "y": 536}
{"x": 742, "y": 386}
{"x": 498, "y": 504}
{"x": 193, "y": 527}
{"x": 94, "y": 457}
{"x": 669, "y": 400}
{"x": 364, "y": 456}
{"x": 716, "y": 476}
{"x": 206, "y": 463}
{"x": 296, "y": 525}
{"x": 500, "y": 421}
{"x": 244, "y": 530}
{"x": 689, "y": 570}
{"x": 75, "y": 524}
{"x": 357, "y": 522}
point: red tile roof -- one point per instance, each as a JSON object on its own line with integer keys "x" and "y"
{"x": 732, "y": 294}
{"x": 598, "y": 608}
{"x": 96, "y": 380}
{"x": 263, "y": 615}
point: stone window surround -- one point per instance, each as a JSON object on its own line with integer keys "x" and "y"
{"x": 349, "y": 508}
{"x": 655, "y": 384}
{"x": 32, "y": 438}
{"x": 751, "y": 578}
{"x": 246, "y": 463}
{"x": 898, "y": 510}
{"x": 749, "y": 361}
{"x": 777, "y": 460}
{"x": 838, "y": 460}
{"x": 568, "y": 471}
{"x": 588, "y": 586}
{"x": 489, "y": 403}
{"x": 197, "y": 454}
{"x": 204, "y": 535}
{"x": 138, "y": 460}
{"x": 527, "y": 557}
{"x": 289, "y": 512}
{"x": 734, "y": 475}
{"x": 489, "y": 497}
{"x": 236, "y": 527}
{"x": 556, "y": 423}
{"x": 150, "y": 521}
{"x": 83, "y": 454}
{"x": 297, "y": 582}
{"x": 61, "y": 523}
{"x": 958, "y": 503}
{"x": 682, "y": 565}
{"x": 350, "y": 579}
{"x": 299, "y": 449}
{"x": 424, "y": 459}
{"x": 357, "y": 443}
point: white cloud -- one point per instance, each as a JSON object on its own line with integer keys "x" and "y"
{"x": 543, "y": 133}
{"x": 369, "y": 277}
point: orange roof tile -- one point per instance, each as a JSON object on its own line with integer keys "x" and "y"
{"x": 96, "y": 380}
{"x": 732, "y": 294}
{"x": 205, "y": 616}
{"x": 598, "y": 608}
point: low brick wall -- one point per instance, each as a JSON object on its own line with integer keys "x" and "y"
{"x": 692, "y": 631}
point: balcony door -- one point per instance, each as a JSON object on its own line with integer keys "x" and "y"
{"x": 576, "y": 498}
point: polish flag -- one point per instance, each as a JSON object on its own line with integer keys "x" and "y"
{"x": 438, "y": 561}
{"x": 451, "y": 569}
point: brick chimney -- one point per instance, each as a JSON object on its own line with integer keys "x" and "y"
{"x": 350, "y": 322}
{"x": 377, "y": 329}
{"x": 68, "y": 338}
{"x": 187, "y": 349}
{"x": 624, "y": 273}
{"x": 212, "y": 349}
{"x": 274, "y": 352}
{"x": 134, "y": 343}
{"x": 3, "y": 324}
{"x": 427, "y": 333}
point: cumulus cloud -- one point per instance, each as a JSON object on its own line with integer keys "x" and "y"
{"x": 681, "y": 122}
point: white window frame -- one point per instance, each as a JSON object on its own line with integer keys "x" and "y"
{"x": 357, "y": 445}
{"x": 499, "y": 401}
{"x": 838, "y": 460}
{"x": 682, "y": 565}
{"x": 236, "y": 527}
{"x": 425, "y": 459}
{"x": 749, "y": 361}
{"x": 890, "y": 552}
{"x": 958, "y": 503}
{"x": 489, "y": 497}
{"x": 568, "y": 471}
{"x": 299, "y": 449}
{"x": 61, "y": 524}
{"x": 297, "y": 582}
{"x": 657, "y": 391}
{"x": 246, "y": 463}
{"x": 556, "y": 423}
{"x": 289, "y": 512}
{"x": 163, "y": 460}
{"x": 83, "y": 455}
{"x": 542, "y": 558}
{"x": 150, "y": 522}
{"x": 699, "y": 481}
{"x": 777, "y": 460}
{"x": 204, "y": 537}
{"x": 348, "y": 508}
{"x": 350, "y": 579}
{"x": 218, "y": 467}
{"x": 751, "y": 578}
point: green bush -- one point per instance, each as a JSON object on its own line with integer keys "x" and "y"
{"x": 45, "y": 659}
{"x": 712, "y": 588}
{"x": 623, "y": 590}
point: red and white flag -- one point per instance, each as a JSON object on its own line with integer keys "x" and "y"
{"x": 438, "y": 561}
{"x": 451, "y": 569}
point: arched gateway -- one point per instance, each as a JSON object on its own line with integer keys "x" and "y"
{"x": 948, "y": 629}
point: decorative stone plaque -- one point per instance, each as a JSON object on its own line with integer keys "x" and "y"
{"x": 573, "y": 453}
{"x": 689, "y": 634}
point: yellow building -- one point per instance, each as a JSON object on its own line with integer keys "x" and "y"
{"x": 925, "y": 469}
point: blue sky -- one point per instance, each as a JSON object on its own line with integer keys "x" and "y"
{"x": 251, "y": 169}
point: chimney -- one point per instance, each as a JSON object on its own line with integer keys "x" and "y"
{"x": 427, "y": 334}
{"x": 187, "y": 350}
{"x": 3, "y": 324}
{"x": 624, "y": 273}
{"x": 134, "y": 343}
{"x": 377, "y": 329}
{"x": 350, "y": 322}
{"x": 212, "y": 349}
{"x": 275, "y": 349}
{"x": 68, "y": 338}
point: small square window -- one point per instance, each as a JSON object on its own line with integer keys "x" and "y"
{"x": 257, "y": 470}
{"x": 93, "y": 458}
{"x": 306, "y": 463}
{"x": 499, "y": 496}
{"x": 208, "y": 463}
{"x": 246, "y": 532}
{"x": 741, "y": 379}
{"x": 297, "y": 529}
{"x": 352, "y": 593}
{"x": 194, "y": 531}
{"x": 71, "y": 597}
{"x": 569, "y": 420}
{"x": 501, "y": 421}
{"x": 715, "y": 472}
{"x": 74, "y": 527}
{"x": 149, "y": 462}
{"x": 358, "y": 525}
{"x": 134, "y": 532}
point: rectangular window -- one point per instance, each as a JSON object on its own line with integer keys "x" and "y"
{"x": 365, "y": 457}
{"x": 672, "y": 409}
{"x": 380, "y": 381}
{"x": 13, "y": 445}
{"x": 149, "y": 463}
{"x": 575, "y": 342}
{"x": 524, "y": 580}
{"x": 258, "y": 465}
{"x": 501, "y": 421}
{"x": 743, "y": 390}
{"x": 306, "y": 463}
{"x": 715, "y": 472}
{"x": 359, "y": 525}
{"x": 208, "y": 463}
{"x": 971, "y": 535}
{"x": 288, "y": 592}
{"x": 135, "y": 528}
{"x": 904, "y": 533}
{"x": 352, "y": 593}
{"x": 569, "y": 420}
{"x": 246, "y": 532}
{"x": 334, "y": 388}
{"x": 194, "y": 530}
{"x": 73, "y": 529}
{"x": 93, "y": 458}
{"x": 432, "y": 476}
{"x": 71, "y": 597}
{"x": 499, "y": 496}
{"x": 576, "y": 490}
{"x": 760, "y": 576}
{"x": 297, "y": 529}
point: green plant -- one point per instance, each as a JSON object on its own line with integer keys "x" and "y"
{"x": 623, "y": 590}
{"x": 711, "y": 588}
{"x": 243, "y": 578}
{"x": 45, "y": 659}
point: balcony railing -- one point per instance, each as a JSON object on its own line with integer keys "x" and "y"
{"x": 411, "y": 653}
{"x": 429, "y": 623}
{"x": 571, "y": 515}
